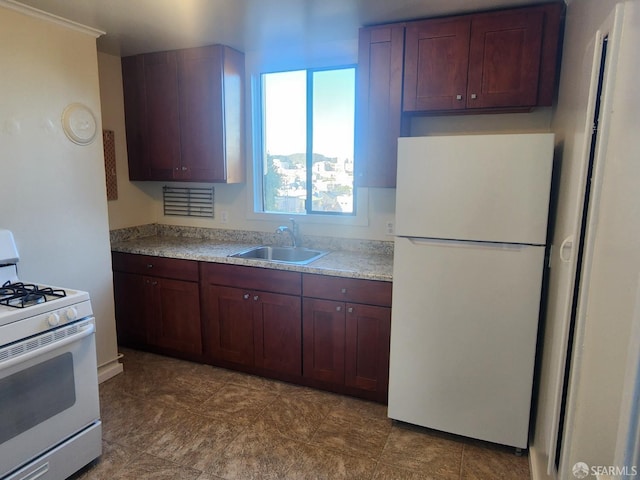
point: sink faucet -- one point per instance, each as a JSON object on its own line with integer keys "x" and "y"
{"x": 292, "y": 231}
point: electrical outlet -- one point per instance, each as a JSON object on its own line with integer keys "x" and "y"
{"x": 224, "y": 216}
{"x": 390, "y": 229}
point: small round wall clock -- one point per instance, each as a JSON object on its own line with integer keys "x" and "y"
{"x": 79, "y": 124}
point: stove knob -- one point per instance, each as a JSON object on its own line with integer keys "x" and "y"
{"x": 71, "y": 313}
{"x": 53, "y": 319}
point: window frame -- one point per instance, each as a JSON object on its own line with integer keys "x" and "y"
{"x": 359, "y": 214}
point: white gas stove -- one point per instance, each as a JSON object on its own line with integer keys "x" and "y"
{"x": 49, "y": 407}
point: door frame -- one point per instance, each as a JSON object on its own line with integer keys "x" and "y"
{"x": 612, "y": 30}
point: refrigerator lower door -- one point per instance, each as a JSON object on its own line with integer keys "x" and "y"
{"x": 463, "y": 337}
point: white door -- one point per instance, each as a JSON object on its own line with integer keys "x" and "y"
{"x": 463, "y": 337}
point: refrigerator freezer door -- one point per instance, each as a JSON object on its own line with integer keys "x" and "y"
{"x": 463, "y": 337}
{"x": 475, "y": 187}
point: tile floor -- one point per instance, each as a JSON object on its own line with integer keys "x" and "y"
{"x": 169, "y": 419}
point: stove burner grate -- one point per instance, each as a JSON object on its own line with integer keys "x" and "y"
{"x": 22, "y": 295}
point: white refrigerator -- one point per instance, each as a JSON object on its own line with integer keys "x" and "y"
{"x": 471, "y": 225}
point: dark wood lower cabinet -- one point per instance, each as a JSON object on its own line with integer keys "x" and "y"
{"x": 249, "y": 327}
{"x": 277, "y": 335}
{"x": 157, "y": 304}
{"x": 324, "y": 340}
{"x": 229, "y": 317}
{"x": 325, "y": 332}
{"x": 253, "y": 328}
{"x": 347, "y": 344}
{"x": 174, "y": 315}
{"x": 131, "y": 319}
{"x": 368, "y": 331}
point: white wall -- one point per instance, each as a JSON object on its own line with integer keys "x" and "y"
{"x": 602, "y": 333}
{"x": 52, "y": 191}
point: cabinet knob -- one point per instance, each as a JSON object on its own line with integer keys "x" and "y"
{"x": 184, "y": 169}
{"x": 149, "y": 265}
{"x": 458, "y": 97}
{"x": 343, "y": 290}
{"x": 246, "y": 296}
{"x": 350, "y": 309}
{"x": 338, "y": 309}
{"x": 256, "y": 298}
{"x": 474, "y": 96}
{"x": 154, "y": 283}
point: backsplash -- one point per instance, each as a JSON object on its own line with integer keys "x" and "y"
{"x": 251, "y": 237}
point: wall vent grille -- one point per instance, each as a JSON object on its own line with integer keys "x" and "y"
{"x": 188, "y": 202}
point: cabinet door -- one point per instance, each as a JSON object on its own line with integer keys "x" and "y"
{"x": 435, "y": 66}
{"x": 161, "y": 136}
{"x": 504, "y": 59}
{"x": 278, "y": 332}
{"x": 173, "y": 315}
{"x": 129, "y": 295}
{"x": 323, "y": 326}
{"x": 379, "y": 105}
{"x": 135, "y": 107}
{"x": 368, "y": 333}
{"x": 201, "y": 121}
{"x": 228, "y": 316}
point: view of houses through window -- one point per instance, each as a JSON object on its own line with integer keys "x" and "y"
{"x": 308, "y": 141}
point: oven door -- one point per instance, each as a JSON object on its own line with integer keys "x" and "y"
{"x": 48, "y": 392}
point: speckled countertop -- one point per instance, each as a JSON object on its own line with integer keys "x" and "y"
{"x": 360, "y": 259}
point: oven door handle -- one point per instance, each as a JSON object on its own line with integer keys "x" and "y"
{"x": 84, "y": 331}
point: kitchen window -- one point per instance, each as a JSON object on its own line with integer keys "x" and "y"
{"x": 307, "y": 148}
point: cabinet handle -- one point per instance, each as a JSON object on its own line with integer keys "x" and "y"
{"x": 149, "y": 265}
{"x": 458, "y": 97}
{"x": 350, "y": 309}
{"x": 246, "y": 296}
{"x": 256, "y": 298}
{"x": 338, "y": 309}
{"x": 154, "y": 283}
{"x": 343, "y": 290}
{"x": 474, "y": 96}
{"x": 184, "y": 169}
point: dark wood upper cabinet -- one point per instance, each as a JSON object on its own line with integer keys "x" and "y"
{"x": 161, "y": 138}
{"x": 503, "y": 60}
{"x": 499, "y": 61}
{"x": 379, "y": 104}
{"x": 184, "y": 115}
{"x": 436, "y": 61}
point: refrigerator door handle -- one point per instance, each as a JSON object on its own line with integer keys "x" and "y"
{"x": 468, "y": 244}
{"x": 567, "y": 244}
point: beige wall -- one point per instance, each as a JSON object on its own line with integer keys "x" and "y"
{"x": 52, "y": 191}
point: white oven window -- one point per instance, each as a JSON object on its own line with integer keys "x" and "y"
{"x": 35, "y": 394}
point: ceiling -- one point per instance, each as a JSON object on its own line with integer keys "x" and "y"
{"x": 140, "y": 26}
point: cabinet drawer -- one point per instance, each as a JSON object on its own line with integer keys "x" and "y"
{"x": 155, "y": 266}
{"x": 371, "y": 292}
{"x": 251, "y": 278}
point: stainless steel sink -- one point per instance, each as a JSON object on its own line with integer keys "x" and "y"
{"x": 294, "y": 255}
